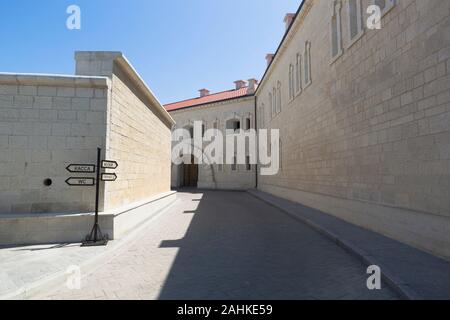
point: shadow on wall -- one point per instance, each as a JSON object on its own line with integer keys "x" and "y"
{"x": 237, "y": 247}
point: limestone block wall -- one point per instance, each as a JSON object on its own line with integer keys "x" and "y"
{"x": 139, "y": 140}
{"x": 137, "y": 133}
{"x": 215, "y": 176}
{"x": 47, "y": 123}
{"x": 369, "y": 139}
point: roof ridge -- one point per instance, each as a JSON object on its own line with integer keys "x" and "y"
{"x": 209, "y": 95}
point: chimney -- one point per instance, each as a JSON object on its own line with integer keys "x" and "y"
{"x": 240, "y": 84}
{"x": 269, "y": 58}
{"x": 288, "y": 19}
{"x": 203, "y": 92}
{"x": 252, "y": 84}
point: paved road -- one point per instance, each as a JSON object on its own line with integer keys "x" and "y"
{"x": 227, "y": 245}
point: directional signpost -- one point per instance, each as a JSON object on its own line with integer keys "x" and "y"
{"x": 109, "y": 164}
{"x": 95, "y": 238}
{"x": 81, "y": 168}
{"x": 81, "y": 182}
{"x": 111, "y": 177}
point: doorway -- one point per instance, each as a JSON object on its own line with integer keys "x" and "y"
{"x": 190, "y": 178}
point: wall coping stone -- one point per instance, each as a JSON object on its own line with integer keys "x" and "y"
{"x": 36, "y": 79}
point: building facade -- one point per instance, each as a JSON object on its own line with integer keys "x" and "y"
{"x": 364, "y": 116}
{"x": 229, "y": 112}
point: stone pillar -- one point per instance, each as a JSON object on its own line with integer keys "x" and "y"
{"x": 95, "y": 63}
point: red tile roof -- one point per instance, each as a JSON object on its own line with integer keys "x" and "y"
{"x": 214, "y": 97}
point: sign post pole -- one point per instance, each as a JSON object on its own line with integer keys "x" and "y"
{"x": 97, "y": 194}
{"x": 96, "y": 237}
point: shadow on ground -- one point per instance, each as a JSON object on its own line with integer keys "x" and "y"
{"x": 237, "y": 247}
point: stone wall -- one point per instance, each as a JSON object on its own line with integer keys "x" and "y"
{"x": 139, "y": 141}
{"x": 47, "y": 123}
{"x": 369, "y": 139}
{"x": 138, "y": 130}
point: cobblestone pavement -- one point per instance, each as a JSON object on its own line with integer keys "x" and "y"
{"x": 227, "y": 245}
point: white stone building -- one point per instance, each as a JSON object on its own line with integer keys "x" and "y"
{"x": 364, "y": 116}
{"x": 233, "y": 109}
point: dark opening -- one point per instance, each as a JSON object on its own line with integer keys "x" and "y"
{"x": 234, "y": 125}
{"x": 48, "y": 182}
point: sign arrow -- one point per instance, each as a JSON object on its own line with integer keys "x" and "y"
{"x": 109, "y": 177}
{"x": 109, "y": 164}
{"x": 81, "y": 168}
{"x": 81, "y": 182}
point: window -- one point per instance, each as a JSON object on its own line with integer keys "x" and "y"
{"x": 291, "y": 82}
{"x": 298, "y": 73}
{"x": 248, "y": 124}
{"x": 385, "y": 5}
{"x": 271, "y": 104}
{"x": 203, "y": 129}
{"x": 336, "y": 37}
{"x": 220, "y": 167}
{"x": 263, "y": 116}
{"x": 274, "y": 105}
{"x": 307, "y": 64}
{"x": 234, "y": 125}
{"x": 278, "y": 97}
{"x": 261, "y": 111}
{"x": 216, "y": 124}
{"x": 355, "y": 20}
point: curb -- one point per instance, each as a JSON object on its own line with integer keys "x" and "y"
{"x": 393, "y": 281}
{"x": 34, "y": 290}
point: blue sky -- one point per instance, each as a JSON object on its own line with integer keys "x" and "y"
{"x": 178, "y": 46}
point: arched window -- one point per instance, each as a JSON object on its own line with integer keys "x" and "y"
{"x": 385, "y": 5}
{"x": 307, "y": 64}
{"x": 248, "y": 124}
{"x": 336, "y": 38}
{"x": 234, "y": 125}
{"x": 355, "y": 22}
{"x": 261, "y": 111}
{"x": 270, "y": 104}
{"x": 298, "y": 73}
{"x": 274, "y": 105}
{"x": 278, "y": 97}
{"x": 291, "y": 82}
